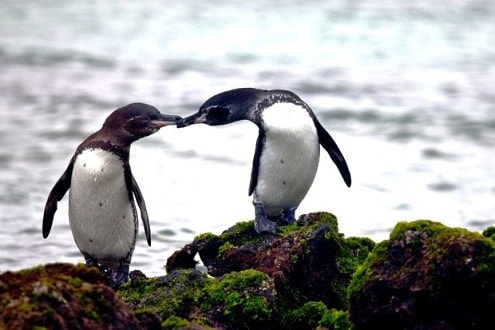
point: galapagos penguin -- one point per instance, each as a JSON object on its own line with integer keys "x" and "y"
{"x": 287, "y": 149}
{"x": 102, "y": 213}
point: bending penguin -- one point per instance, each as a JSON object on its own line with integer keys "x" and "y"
{"x": 287, "y": 149}
{"x": 102, "y": 213}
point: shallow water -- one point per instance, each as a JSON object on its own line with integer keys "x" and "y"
{"x": 406, "y": 90}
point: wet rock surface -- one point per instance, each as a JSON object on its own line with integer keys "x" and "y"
{"x": 307, "y": 276}
{"x": 426, "y": 276}
{"x": 308, "y": 260}
{"x": 61, "y": 296}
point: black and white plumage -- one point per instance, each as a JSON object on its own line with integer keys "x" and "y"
{"x": 287, "y": 149}
{"x": 102, "y": 213}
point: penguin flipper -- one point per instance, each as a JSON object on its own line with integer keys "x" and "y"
{"x": 56, "y": 194}
{"x": 142, "y": 207}
{"x": 256, "y": 162}
{"x": 333, "y": 150}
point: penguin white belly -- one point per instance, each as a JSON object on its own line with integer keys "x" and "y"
{"x": 290, "y": 157}
{"x": 102, "y": 217}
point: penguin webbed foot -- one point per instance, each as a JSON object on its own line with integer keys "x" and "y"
{"x": 287, "y": 217}
{"x": 115, "y": 277}
{"x": 90, "y": 261}
{"x": 119, "y": 276}
{"x": 261, "y": 222}
{"x": 263, "y": 225}
{"x": 267, "y": 224}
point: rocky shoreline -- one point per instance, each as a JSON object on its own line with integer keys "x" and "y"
{"x": 308, "y": 276}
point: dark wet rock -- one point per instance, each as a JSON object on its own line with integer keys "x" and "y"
{"x": 176, "y": 294}
{"x": 187, "y": 298}
{"x": 61, "y": 296}
{"x": 307, "y": 276}
{"x": 309, "y": 261}
{"x": 426, "y": 276}
{"x": 490, "y": 233}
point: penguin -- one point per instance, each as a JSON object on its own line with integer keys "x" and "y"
{"x": 102, "y": 212}
{"x": 287, "y": 150}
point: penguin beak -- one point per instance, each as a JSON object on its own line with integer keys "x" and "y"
{"x": 197, "y": 118}
{"x": 164, "y": 120}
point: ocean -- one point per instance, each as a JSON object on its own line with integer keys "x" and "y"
{"x": 405, "y": 88}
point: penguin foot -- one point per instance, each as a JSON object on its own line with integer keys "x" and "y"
{"x": 287, "y": 217}
{"x": 261, "y": 222}
{"x": 263, "y": 225}
{"x": 115, "y": 277}
{"x": 119, "y": 276}
{"x": 90, "y": 261}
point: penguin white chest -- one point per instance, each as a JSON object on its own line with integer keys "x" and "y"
{"x": 102, "y": 214}
{"x": 289, "y": 159}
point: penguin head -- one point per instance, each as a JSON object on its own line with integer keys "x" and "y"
{"x": 225, "y": 108}
{"x": 138, "y": 120}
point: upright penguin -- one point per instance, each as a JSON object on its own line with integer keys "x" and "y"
{"x": 287, "y": 149}
{"x": 102, "y": 213}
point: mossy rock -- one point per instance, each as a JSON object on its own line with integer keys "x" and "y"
{"x": 241, "y": 300}
{"x": 189, "y": 299}
{"x": 178, "y": 294}
{"x": 426, "y": 276}
{"x": 316, "y": 315}
{"x": 308, "y": 260}
{"x": 335, "y": 320}
{"x": 489, "y": 232}
{"x": 61, "y": 296}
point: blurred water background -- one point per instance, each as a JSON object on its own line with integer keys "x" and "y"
{"x": 407, "y": 89}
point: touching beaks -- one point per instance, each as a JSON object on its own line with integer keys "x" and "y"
{"x": 197, "y": 118}
{"x": 165, "y": 120}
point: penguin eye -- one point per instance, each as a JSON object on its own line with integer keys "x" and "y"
{"x": 217, "y": 115}
{"x": 140, "y": 121}
{"x": 137, "y": 125}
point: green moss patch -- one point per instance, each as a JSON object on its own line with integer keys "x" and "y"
{"x": 426, "y": 274}
{"x": 60, "y": 296}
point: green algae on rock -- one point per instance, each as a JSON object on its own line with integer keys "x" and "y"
{"x": 188, "y": 298}
{"x": 177, "y": 294}
{"x": 61, "y": 296}
{"x": 243, "y": 300}
{"x": 307, "y": 316}
{"x": 426, "y": 276}
{"x": 308, "y": 260}
{"x": 489, "y": 232}
{"x": 315, "y": 315}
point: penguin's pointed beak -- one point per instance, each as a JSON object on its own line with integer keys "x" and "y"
{"x": 165, "y": 120}
{"x": 197, "y": 118}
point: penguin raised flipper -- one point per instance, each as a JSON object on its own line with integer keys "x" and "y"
{"x": 287, "y": 149}
{"x": 102, "y": 190}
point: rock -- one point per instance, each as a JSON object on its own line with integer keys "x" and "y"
{"x": 270, "y": 282}
{"x": 187, "y": 298}
{"x": 307, "y": 276}
{"x": 61, "y": 296}
{"x": 426, "y": 276}
{"x": 489, "y": 232}
{"x": 309, "y": 261}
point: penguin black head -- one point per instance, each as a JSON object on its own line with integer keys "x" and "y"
{"x": 225, "y": 108}
{"x": 138, "y": 120}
